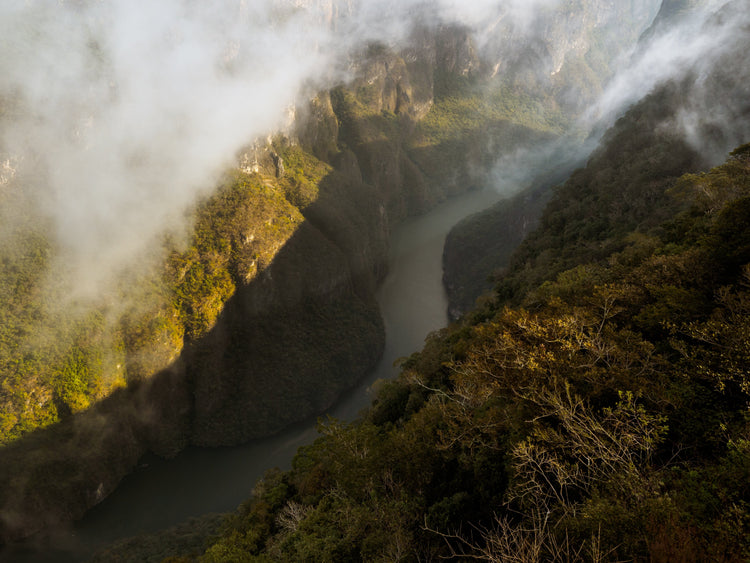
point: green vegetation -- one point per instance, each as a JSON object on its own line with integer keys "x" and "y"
{"x": 625, "y": 181}
{"x": 461, "y": 136}
{"x": 23, "y": 264}
{"x": 52, "y": 358}
{"x": 360, "y": 122}
{"x": 437, "y": 448}
{"x": 56, "y": 360}
{"x": 237, "y": 233}
{"x": 302, "y": 177}
{"x": 163, "y": 546}
{"x": 606, "y": 419}
{"x": 479, "y": 248}
{"x": 457, "y": 115}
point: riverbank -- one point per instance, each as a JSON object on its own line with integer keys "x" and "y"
{"x": 163, "y": 493}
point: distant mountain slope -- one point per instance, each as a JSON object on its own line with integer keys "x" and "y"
{"x": 687, "y": 123}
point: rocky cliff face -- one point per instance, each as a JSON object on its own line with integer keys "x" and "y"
{"x": 283, "y": 267}
{"x": 568, "y": 51}
{"x": 297, "y": 241}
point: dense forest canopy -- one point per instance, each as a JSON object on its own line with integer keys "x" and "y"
{"x": 592, "y": 406}
{"x": 604, "y": 418}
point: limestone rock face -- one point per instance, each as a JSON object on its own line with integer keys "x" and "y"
{"x": 301, "y": 325}
{"x": 568, "y": 52}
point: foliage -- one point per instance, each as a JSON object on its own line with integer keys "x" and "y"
{"x": 455, "y": 116}
{"x": 58, "y": 357}
{"x": 302, "y": 177}
{"x": 622, "y": 190}
{"x": 608, "y": 422}
{"x": 236, "y": 234}
{"x": 170, "y": 545}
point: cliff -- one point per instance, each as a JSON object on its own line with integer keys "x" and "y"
{"x": 247, "y": 325}
{"x": 264, "y": 315}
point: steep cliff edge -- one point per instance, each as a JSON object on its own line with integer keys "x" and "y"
{"x": 266, "y": 313}
{"x": 247, "y": 325}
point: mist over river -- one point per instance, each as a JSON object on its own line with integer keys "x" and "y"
{"x": 163, "y": 493}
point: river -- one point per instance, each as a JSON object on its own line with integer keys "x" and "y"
{"x": 162, "y": 493}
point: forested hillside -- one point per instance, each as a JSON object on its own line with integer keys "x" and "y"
{"x": 687, "y": 122}
{"x": 264, "y": 311}
{"x": 602, "y": 416}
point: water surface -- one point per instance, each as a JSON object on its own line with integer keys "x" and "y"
{"x": 162, "y": 493}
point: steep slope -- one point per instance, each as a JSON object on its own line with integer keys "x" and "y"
{"x": 688, "y": 123}
{"x": 479, "y": 248}
{"x": 246, "y": 326}
{"x": 608, "y": 422}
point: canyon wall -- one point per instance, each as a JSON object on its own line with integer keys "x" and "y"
{"x": 267, "y": 312}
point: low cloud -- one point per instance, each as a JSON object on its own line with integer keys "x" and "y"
{"x": 702, "y": 39}
{"x": 124, "y": 112}
{"x": 131, "y": 109}
{"x": 117, "y": 115}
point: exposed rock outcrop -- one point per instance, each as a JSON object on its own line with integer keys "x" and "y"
{"x": 301, "y": 324}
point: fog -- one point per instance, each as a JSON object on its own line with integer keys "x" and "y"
{"x": 117, "y": 115}
{"x": 130, "y": 110}
{"x": 704, "y": 50}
